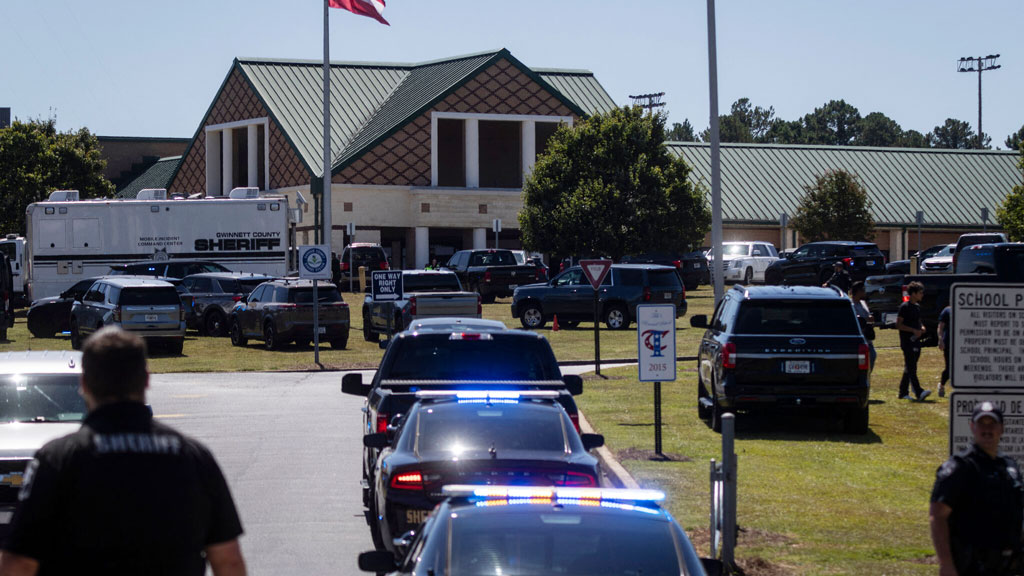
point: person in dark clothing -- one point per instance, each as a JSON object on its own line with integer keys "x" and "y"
{"x": 944, "y": 321}
{"x": 977, "y": 505}
{"x": 908, "y": 323}
{"x": 124, "y": 494}
{"x": 840, "y": 278}
{"x": 335, "y": 269}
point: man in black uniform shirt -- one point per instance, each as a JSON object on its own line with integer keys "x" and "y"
{"x": 977, "y": 505}
{"x": 908, "y": 323}
{"x": 125, "y": 494}
{"x": 840, "y": 278}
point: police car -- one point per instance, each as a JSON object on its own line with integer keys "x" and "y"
{"x": 545, "y": 530}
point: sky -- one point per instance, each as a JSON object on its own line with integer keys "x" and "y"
{"x": 151, "y": 69}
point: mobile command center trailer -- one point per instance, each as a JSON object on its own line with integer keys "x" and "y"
{"x": 14, "y": 247}
{"x": 74, "y": 239}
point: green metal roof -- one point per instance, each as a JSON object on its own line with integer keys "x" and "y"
{"x": 761, "y": 181}
{"x": 159, "y": 175}
{"x": 371, "y": 101}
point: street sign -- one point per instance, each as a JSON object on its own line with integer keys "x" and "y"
{"x": 314, "y": 262}
{"x": 987, "y": 338}
{"x": 496, "y": 225}
{"x": 386, "y": 285}
{"x": 596, "y": 271}
{"x": 656, "y": 342}
{"x": 961, "y": 404}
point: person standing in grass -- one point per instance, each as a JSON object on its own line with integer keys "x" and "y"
{"x": 908, "y": 323}
{"x": 944, "y": 318}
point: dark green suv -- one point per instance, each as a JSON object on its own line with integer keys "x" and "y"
{"x": 281, "y": 311}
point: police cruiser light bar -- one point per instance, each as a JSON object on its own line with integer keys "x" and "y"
{"x": 552, "y": 493}
{"x": 487, "y": 394}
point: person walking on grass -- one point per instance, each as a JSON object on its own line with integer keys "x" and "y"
{"x": 944, "y": 318}
{"x": 908, "y": 323}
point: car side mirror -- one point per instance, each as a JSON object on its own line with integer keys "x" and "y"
{"x": 378, "y": 440}
{"x": 352, "y": 383}
{"x": 573, "y": 383}
{"x": 699, "y": 321}
{"x": 379, "y": 561}
{"x": 591, "y": 441}
{"x": 404, "y": 540}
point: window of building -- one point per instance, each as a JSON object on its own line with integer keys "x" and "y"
{"x": 545, "y": 130}
{"x": 451, "y": 152}
{"x": 501, "y": 148}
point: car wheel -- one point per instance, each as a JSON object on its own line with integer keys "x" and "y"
{"x": 372, "y": 517}
{"x": 76, "y": 338}
{"x": 176, "y": 347}
{"x": 340, "y": 343}
{"x": 702, "y": 392}
{"x": 856, "y": 421}
{"x": 270, "y": 336}
{"x": 616, "y": 318}
{"x": 237, "y": 339}
{"x": 690, "y": 286}
{"x": 531, "y": 317}
{"x": 369, "y": 335}
{"x": 214, "y": 324}
{"x": 41, "y": 327}
{"x": 488, "y": 299}
{"x": 3, "y": 333}
{"x": 748, "y": 277}
{"x": 716, "y": 413}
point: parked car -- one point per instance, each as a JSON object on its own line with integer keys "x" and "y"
{"x": 209, "y": 298}
{"x": 39, "y": 402}
{"x": 570, "y": 296}
{"x": 973, "y": 238}
{"x": 6, "y": 296}
{"x": 692, "y": 267}
{"x": 357, "y": 255}
{"x": 479, "y": 437}
{"x": 425, "y": 294}
{"x": 545, "y": 530}
{"x": 940, "y": 262}
{"x": 898, "y": 267}
{"x": 48, "y": 316}
{"x": 745, "y": 261}
{"x": 281, "y": 311}
{"x": 167, "y": 269}
{"x": 768, "y": 347}
{"x": 491, "y": 273}
{"x": 811, "y": 264}
{"x": 147, "y": 306}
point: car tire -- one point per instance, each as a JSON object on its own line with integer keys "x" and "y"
{"x": 3, "y": 333}
{"x": 531, "y": 317}
{"x": 716, "y": 412}
{"x": 176, "y": 347}
{"x": 340, "y": 343}
{"x": 270, "y": 341}
{"x": 748, "y": 277}
{"x": 368, "y": 334}
{"x": 856, "y": 421}
{"x": 702, "y": 392}
{"x": 374, "y": 522}
{"x": 214, "y": 324}
{"x": 616, "y": 317}
{"x": 237, "y": 338}
{"x": 76, "y": 338}
{"x": 41, "y": 327}
{"x": 488, "y": 299}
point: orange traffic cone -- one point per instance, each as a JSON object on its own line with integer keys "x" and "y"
{"x": 554, "y": 323}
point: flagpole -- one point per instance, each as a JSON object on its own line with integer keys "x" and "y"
{"x": 326, "y": 196}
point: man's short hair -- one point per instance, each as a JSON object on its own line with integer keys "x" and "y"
{"x": 915, "y": 287}
{"x": 857, "y": 286}
{"x": 114, "y": 364}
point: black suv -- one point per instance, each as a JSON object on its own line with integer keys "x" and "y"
{"x": 282, "y": 311}
{"x": 692, "y": 267}
{"x": 209, "y": 298}
{"x": 811, "y": 264}
{"x": 570, "y": 296}
{"x": 360, "y": 254}
{"x": 771, "y": 346}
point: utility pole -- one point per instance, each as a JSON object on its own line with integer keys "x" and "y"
{"x": 648, "y": 101}
{"x": 979, "y": 65}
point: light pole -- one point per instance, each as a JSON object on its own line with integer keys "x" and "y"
{"x": 979, "y": 65}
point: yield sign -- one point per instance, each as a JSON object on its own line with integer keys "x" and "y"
{"x": 596, "y": 271}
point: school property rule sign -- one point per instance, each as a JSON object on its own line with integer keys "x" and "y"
{"x": 987, "y": 338}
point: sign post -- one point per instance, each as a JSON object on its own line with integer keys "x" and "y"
{"x": 496, "y": 224}
{"x": 314, "y": 263}
{"x": 596, "y": 271}
{"x": 986, "y": 361}
{"x": 656, "y": 352}
{"x": 386, "y": 286}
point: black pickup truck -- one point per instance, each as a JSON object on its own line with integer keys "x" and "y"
{"x": 988, "y": 264}
{"x": 470, "y": 360}
{"x": 491, "y": 273}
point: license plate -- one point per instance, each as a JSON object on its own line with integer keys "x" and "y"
{"x": 513, "y": 286}
{"x": 668, "y": 295}
{"x": 798, "y": 367}
{"x": 870, "y": 262}
{"x": 696, "y": 264}
{"x": 416, "y": 516}
{"x": 152, "y": 317}
{"x": 322, "y": 330}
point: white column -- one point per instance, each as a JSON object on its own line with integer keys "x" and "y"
{"x": 213, "y": 164}
{"x": 479, "y": 238}
{"x": 422, "y": 246}
{"x": 472, "y": 153}
{"x": 529, "y": 139}
{"x": 253, "y": 148}
{"x": 228, "y": 162}
{"x": 896, "y": 244}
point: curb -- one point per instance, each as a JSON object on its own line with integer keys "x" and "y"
{"x": 615, "y": 472}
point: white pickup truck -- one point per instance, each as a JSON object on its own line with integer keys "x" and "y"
{"x": 425, "y": 294}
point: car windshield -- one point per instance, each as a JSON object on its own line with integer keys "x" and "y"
{"x": 516, "y": 540}
{"x": 736, "y": 249}
{"x": 946, "y": 251}
{"x": 149, "y": 296}
{"x": 40, "y": 398}
{"x": 871, "y": 250}
{"x": 438, "y": 357}
{"x": 364, "y": 255}
{"x": 431, "y": 283}
{"x": 797, "y": 318}
{"x": 475, "y": 427}
{"x": 493, "y": 258}
{"x": 305, "y": 295}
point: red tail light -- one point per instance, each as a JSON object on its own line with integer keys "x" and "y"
{"x": 407, "y": 481}
{"x": 729, "y": 355}
{"x": 382, "y": 422}
{"x": 863, "y": 357}
{"x": 575, "y": 417}
{"x": 647, "y": 294}
{"x": 344, "y": 266}
{"x": 479, "y": 305}
{"x": 574, "y": 479}
{"x": 906, "y": 295}
{"x": 384, "y": 265}
{"x": 487, "y": 276}
{"x": 236, "y": 298}
{"x": 412, "y": 305}
{"x": 677, "y": 263}
{"x": 848, "y": 261}
{"x": 116, "y": 315}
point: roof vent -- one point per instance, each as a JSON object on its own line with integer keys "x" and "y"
{"x": 64, "y": 196}
{"x": 243, "y": 193}
{"x": 152, "y": 194}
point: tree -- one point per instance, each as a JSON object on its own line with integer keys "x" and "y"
{"x": 877, "y": 129}
{"x": 912, "y": 139}
{"x": 1010, "y": 214}
{"x": 35, "y": 159}
{"x": 744, "y": 123}
{"x": 836, "y": 207}
{"x": 681, "y": 132}
{"x": 608, "y": 186}
{"x": 786, "y": 132}
{"x": 836, "y": 123}
{"x": 955, "y": 134}
{"x": 1013, "y": 140}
